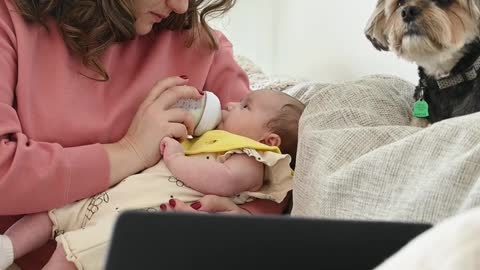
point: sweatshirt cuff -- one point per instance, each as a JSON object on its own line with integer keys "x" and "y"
{"x": 89, "y": 171}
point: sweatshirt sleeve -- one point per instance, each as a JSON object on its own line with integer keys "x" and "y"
{"x": 226, "y": 78}
{"x": 38, "y": 176}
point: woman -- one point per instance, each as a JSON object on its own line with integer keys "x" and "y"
{"x": 81, "y": 104}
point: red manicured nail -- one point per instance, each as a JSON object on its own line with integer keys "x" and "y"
{"x": 185, "y": 77}
{"x": 163, "y": 207}
{"x": 196, "y": 205}
{"x": 172, "y": 203}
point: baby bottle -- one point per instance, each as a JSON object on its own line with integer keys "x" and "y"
{"x": 206, "y": 112}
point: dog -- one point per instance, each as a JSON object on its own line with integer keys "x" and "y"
{"x": 443, "y": 38}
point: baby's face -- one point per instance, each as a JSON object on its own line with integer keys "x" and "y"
{"x": 249, "y": 116}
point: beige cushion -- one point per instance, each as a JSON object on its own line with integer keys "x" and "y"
{"x": 450, "y": 245}
{"x": 358, "y": 158}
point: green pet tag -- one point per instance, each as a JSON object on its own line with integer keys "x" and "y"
{"x": 420, "y": 109}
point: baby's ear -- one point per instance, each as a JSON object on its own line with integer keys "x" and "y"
{"x": 375, "y": 29}
{"x": 272, "y": 139}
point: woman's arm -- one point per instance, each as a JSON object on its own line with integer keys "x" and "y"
{"x": 155, "y": 119}
{"x": 226, "y": 78}
{"x": 37, "y": 176}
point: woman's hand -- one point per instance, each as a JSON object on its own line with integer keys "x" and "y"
{"x": 157, "y": 118}
{"x": 207, "y": 204}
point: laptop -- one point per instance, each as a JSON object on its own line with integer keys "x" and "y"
{"x": 183, "y": 241}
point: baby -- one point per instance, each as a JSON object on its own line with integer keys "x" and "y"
{"x": 241, "y": 159}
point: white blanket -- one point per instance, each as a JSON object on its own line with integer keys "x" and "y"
{"x": 358, "y": 157}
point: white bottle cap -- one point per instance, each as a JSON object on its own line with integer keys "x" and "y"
{"x": 212, "y": 114}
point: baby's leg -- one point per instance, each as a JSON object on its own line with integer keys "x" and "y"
{"x": 29, "y": 233}
{"x": 58, "y": 261}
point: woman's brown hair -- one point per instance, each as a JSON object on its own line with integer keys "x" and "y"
{"x": 89, "y": 27}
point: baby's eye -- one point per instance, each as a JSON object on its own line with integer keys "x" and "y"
{"x": 401, "y": 3}
{"x": 245, "y": 106}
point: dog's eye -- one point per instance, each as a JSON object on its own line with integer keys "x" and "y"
{"x": 401, "y": 3}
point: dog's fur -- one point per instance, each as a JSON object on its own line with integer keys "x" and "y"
{"x": 443, "y": 38}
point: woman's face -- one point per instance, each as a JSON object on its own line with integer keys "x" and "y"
{"x": 150, "y": 12}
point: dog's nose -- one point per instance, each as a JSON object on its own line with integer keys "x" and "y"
{"x": 409, "y": 13}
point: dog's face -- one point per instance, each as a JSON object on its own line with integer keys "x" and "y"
{"x": 422, "y": 30}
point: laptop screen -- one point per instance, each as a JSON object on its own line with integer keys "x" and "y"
{"x": 188, "y": 241}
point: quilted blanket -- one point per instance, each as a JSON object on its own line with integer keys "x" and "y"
{"x": 360, "y": 159}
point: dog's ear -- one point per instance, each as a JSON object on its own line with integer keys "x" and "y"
{"x": 375, "y": 30}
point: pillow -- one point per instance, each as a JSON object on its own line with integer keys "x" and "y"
{"x": 260, "y": 80}
{"x": 299, "y": 88}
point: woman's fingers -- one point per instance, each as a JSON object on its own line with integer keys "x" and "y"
{"x": 163, "y": 85}
{"x": 177, "y": 131}
{"x": 207, "y": 204}
{"x": 214, "y": 204}
{"x": 156, "y": 119}
{"x": 178, "y": 115}
{"x": 168, "y": 99}
{"x": 178, "y": 206}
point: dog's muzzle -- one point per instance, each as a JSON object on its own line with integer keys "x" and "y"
{"x": 410, "y": 13}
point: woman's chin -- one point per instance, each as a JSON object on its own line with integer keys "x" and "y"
{"x": 143, "y": 29}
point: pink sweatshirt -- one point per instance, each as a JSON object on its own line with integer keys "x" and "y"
{"x": 53, "y": 119}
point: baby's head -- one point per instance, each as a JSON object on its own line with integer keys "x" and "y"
{"x": 267, "y": 116}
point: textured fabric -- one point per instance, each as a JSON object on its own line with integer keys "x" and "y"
{"x": 84, "y": 228}
{"x": 6, "y": 252}
{"x": 277, "y": 179}
{"x": 358, "y": 158}
{"x": 451, "y": 245}
{"x": 299, "y": 88}
{"x": 259, "y": 80}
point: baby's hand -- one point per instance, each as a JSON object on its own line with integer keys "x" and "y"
{"x": 170, "y": 148}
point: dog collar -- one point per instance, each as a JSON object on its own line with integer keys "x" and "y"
{"x": 470, "y": 74}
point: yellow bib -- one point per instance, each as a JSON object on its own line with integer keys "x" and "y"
{"x": 216, "y": 141}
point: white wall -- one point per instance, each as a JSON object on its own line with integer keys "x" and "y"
{"x": 249, "y": 26}
{"x": 315, "y": 39}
